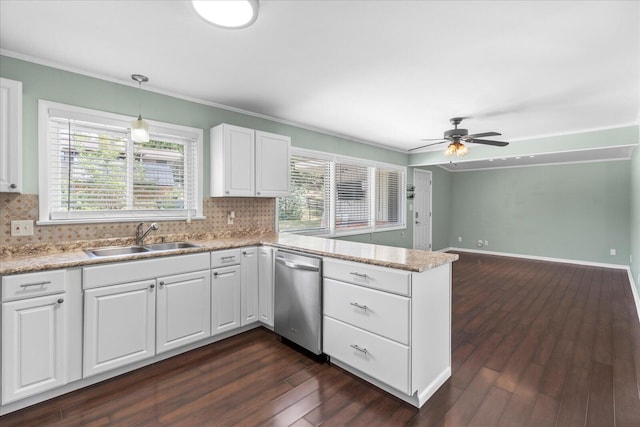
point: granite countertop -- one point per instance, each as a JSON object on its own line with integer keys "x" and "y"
{"x": 73, "y": 255}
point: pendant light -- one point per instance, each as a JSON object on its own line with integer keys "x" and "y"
{"x": 139, "y": 128}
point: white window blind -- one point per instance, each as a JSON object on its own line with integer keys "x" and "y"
{"x": 389, "y": 198}
{"x": 96, "y": 172}
{"x": 334, "y": 195}
{"x": 352, "y": 196}
{"x": 308, "y": 207}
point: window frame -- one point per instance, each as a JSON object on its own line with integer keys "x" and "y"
{"x": 47, "y": 109}
{"x": 372, "y": 227}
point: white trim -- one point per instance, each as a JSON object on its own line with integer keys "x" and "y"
{"x": 543, "y": 258}
{"x": 634, "y": 291}
{"x": 52, "y": 64}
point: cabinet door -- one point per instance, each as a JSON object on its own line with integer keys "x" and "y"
{"x": 239, "y": 161}
{"x": 119, "y": 325}
{"x": 265, "y": 285}
{"x": 183, "y": 309}
{"x": 249, "y": 281}
{"x": 10, "y": 136}
{"x": 225, "y": 299}
{"x": 33, "y": 346}
{"x": 272, "y": 165}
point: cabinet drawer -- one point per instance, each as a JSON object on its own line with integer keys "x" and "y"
{"x": 224, "y": 258}
{"x": 379, "y": 312}
{"x": 371, "y": 276}
{"x": 380, "y": 358}
{"x": 32, "y": 284}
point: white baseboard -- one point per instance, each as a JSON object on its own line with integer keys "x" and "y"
{"x": 541, "y": 258}
{"x": 634, "y": 290}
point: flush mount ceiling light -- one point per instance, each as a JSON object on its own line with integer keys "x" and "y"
{"x": 139, "y": 128}
{"x": 228, "y": 13}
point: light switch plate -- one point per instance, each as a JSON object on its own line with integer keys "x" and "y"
{"x": 22, "y": 228}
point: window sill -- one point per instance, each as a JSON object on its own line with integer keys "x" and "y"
{"x": 105, "y": 220}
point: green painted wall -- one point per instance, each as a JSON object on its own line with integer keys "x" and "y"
{"x": 41, "y": 82}
{"x": 572, "y": 211}
{"x": 635, "y": 216}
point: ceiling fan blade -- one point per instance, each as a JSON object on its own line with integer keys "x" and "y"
{"x": 489, "y": 142}
{"x": 428, "y": 145}
{"x": 480, "y": 135}
{"x": 432, "y": 139}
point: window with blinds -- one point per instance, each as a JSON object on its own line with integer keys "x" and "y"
{"x": 307, "y": 208}
{"x": 352, "y": 196}
{"x": 339, "y": 195}
{"x": 96, "y": 172}
{"x": 389, "y": 197}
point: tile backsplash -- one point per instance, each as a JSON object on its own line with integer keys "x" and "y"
{"x": 251, "y": 215}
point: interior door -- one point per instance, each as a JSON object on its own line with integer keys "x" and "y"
{"x": 422, "y": 210}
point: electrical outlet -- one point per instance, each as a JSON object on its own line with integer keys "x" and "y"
{"x": 230, "y": 216}
{"x": 459, "y": 238}
{"x": 22, "y": 228}
{"x": 612, "y": 252}
{"x": 486, "y": 243}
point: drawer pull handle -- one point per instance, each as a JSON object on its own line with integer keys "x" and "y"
{"x": 360, "y": 349}
{"x": 361, "y": 275}
{"x": 355, "y": 304}
{"x": 28, "y": 285}
{"x": 60, "y": 300}
{"x": 224, "y": 258}
{"x": 228, "y": 273}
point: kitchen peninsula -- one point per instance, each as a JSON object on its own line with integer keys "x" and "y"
{"x": 386, "y": 310}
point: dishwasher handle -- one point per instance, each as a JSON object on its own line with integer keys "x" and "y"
{"x": 297, "y": 265}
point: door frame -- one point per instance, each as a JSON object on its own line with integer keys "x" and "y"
{"x": 430, "y": 199}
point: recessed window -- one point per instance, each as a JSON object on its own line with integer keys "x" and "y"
{"x": 336, "y": 195}
{"x": 92, "y": 171}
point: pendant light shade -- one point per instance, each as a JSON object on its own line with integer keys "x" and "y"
{"x": 139, "y": 128}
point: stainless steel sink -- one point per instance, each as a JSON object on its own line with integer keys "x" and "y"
{"x": 170, "y": 246}
{"x": 116, "y": 251}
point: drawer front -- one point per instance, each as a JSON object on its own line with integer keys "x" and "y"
{"x": 226, "y": 257}
{"x": 371, "y": 276}
{"x": 380, "y": 358}
{"x": 379, "y": 312}
{"x": 32, "y": 284}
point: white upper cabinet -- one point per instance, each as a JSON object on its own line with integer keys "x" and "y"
{"x": 10, "y": 136}
{"x": 248, "y": 163}
{"x": 272, "y": 165}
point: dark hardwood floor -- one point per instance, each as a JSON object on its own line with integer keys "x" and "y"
{"x": 534, "y": 344}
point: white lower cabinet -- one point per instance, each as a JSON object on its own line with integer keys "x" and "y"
{"x": 249, "y": 286}
{"x": 33, "y": 346}
{"x": 183, "y": 309}
{"x": 41, "y": 335}
{"x": 119, "y": 325}
{"x": 391, "y": 327}
{"x": 225, "y": 299}
{"x": 265, "y": 285}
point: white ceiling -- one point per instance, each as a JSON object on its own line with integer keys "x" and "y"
{"x": 387, "y": 72}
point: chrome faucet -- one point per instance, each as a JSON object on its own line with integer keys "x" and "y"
{"x": 140, "y": 235}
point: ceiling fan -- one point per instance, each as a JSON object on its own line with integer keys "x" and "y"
{"x": 458, "y": 137}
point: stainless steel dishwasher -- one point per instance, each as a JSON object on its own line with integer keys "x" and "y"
{"x": 298, "y": 299}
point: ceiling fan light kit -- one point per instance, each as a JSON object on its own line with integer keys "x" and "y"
{"x": 457, "y": 137}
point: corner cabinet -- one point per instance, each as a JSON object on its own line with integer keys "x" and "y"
{"x": 10, "y": 136}
{"x": 248, "y": 163}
